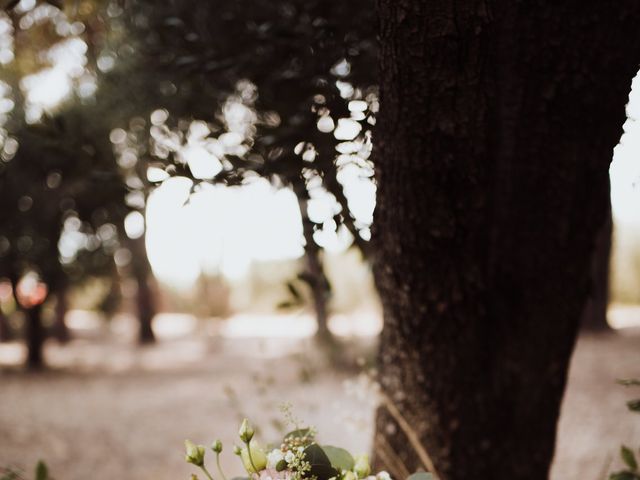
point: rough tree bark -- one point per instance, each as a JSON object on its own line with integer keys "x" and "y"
{"x": 494, "y": 138}
{"x": 594, "y": 318}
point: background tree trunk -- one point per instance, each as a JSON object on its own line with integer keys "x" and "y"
{"x": 5, "y": 334}
{"x": 493, "y": 142}
{"x": 35, "y": 335}
{"x": 145, "y": 296}
{"x": 314, "y": 274}
{"x": 60, "y": 329}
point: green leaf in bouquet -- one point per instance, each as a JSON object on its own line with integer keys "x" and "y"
{"x": 629, "y": 457}
{"x": 629, "y": 382}
{"x": 624, "y": 476}
{"x": 320, "y": 464}
{"x": 9, "y": 474}
{"x": 299, "y": 433}
{"x": 339, "y": 457}
{"x": 42, "y": 473}
{"x": 634, "y": 405}
{"x": 420, "y": 476}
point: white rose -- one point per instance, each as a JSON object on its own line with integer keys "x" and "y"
{"x": 273, "y": 457}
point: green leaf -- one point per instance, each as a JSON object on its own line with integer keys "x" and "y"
{"x": 320, "y": 464}
{"x": 629, "y": 458}
{"x": 634, "y": 405}
{"x": 420, "y": 476}
{"x": 10, "y": 4}
{"x": 299, "y": 433}
{"x": 42, "y": 473}
{"x": 629, "y": 382}
{"x": 339, "y": 457}
{"x": 624, "y": 476}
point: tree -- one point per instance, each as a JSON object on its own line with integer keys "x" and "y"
{"x": 290, "y": 63}
{"x": 58, "y": 176}
{"x": 492, "y": 148}
{"x": 594, "y": 317}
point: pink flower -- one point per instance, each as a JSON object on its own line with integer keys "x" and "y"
{"x": 272, "y": 474}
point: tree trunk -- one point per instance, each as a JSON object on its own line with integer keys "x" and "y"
{"x": 314, "y": 273}
{"x": 319, "y": 292}
{"x": 35, "y": 336}
{"x": 145, "y": 296}
{"x": 594, "y": 318}
{"x": 5, "y": 334}
{"x": 60, "y": 329}
{"x": 493, "y": 142}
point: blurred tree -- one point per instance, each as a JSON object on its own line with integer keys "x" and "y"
{"x": 272, "y": 80}
{"x": 65, "y": 200}
{"x": 37, "y": 33}
{"x": 284, "y": 89}
{"x": 495, "y": 136}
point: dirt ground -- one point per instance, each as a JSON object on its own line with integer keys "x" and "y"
{"x": 109, "y": 410}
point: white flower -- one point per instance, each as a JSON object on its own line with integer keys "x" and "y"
{"x": 273, "y": 457}
{"x": 383, "y": 476}
{"x": 289, "y": 456}
{"x": 270, "y": 474}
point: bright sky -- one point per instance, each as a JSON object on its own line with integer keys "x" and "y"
{"x": 221, "y": 229}
{"x": 625, "y": 168}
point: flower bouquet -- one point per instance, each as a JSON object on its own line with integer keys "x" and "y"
{"x": 298, "y": 457}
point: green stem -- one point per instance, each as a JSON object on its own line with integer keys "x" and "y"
{"x": 251, "y": 458}
{"x": 206, "y": 472}
{"x": 219, "y": 468}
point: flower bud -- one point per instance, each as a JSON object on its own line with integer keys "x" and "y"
{"x": 194, "y": 476}
{"x": 348, "y": 475}
{"x": 258, "y": 458}
{"x": 362, "y": 468}
{"x": 246, "y": 431}
{"x": 237, "y": 450}
{"x": 216, "y": 446}
{"x": 194, "y": 453}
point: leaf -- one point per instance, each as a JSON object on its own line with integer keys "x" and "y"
{"x": 59, "y": 4}
{"x": 629, "y": 382}
{"x": 634, "y": 405}
{"x": 11, "y": 4}
{"x": 320, "y": 464}
{"x": 299, "y": 433}
{"x": 294, "y": 291}
{"x": 624, "y": 476}
{"x": 339, "y": 457}
{"x": 420, "y": 476}
{"x": 42, "y": 473}
{"x": 629, "y": 458}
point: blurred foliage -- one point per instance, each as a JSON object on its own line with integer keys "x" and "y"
{"x": 60, "y": 180}
{"x": 281, "y": 90}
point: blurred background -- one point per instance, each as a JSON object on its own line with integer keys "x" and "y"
{"x": 186, "y": 204}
